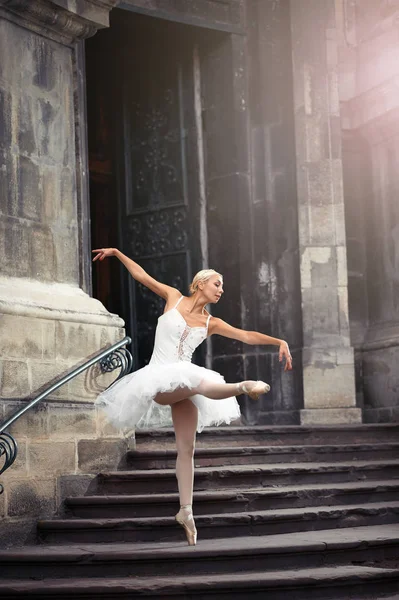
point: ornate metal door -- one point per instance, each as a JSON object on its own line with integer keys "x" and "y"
{"x": 159, "y": 184}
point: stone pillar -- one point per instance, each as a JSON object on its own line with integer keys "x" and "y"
{"x": 48, "y": 323}
{"x": 328, "y": 361}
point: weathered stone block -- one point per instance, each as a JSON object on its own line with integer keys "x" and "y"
{"x": 25, "y": 337}
{"x": 329, "y": 386}
{"x": 42, "y": 255}
{"x": 339, "y": 224}
{"x": 319, "y": 182}
{"x": 51, "y": 458}
{"x": 96, "y": 455}
{"x": 50, "y": 194}
{"x": 331, "y": 416}
{"x": 342, "y": 270}
{"x": 319, "y": 357}
{"x": 78, "y": 340}
{"x": 71, "y": 421}
{"x": 5, "y": 120}
{"x": 44, "y": 62}
{"x": 318, "y": 267}
{"x": 33, "y": 424}
{"x": 67, "y": 209}
{"x": 14, "y": 248}
{"x": 321, "y": 219}
{"x": 31, "y": 497}
{"x": 345, "y": 356}
{"x": 66, "y": 255}
{"x": 325, "y": 316}
{"x": 44, "y": 373}
{"x": 314, "y": 140}
{"x": 26, "y": 131}
{"x": 30, "y": 189}
{"x": 14, "y": 379}
{"x": 324, "y": 269}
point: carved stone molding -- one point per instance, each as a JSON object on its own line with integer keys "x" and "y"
{"x": 59, "y": 20}
{"x": 225, "y": 15}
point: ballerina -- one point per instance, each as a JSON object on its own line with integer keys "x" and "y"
{"x": 172, "y": 390}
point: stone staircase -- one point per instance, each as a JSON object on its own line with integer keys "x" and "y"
{"x": 282, "y": 513}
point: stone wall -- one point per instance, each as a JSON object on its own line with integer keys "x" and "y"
{"x": 48, "y": 324}
{"x": 328, "y": 357}
{"x": 370, "y": 119}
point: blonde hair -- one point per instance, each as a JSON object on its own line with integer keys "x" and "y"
{"x": 203, "y": 276}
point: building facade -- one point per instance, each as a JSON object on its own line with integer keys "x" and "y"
{"x": 257, "y": 137}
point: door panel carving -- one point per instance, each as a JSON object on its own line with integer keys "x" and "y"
{"x": 159, "y": 218}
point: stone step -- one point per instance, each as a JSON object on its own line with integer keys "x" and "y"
{"x": 244, "y": 476}
{"x": 267, "y": 522}
{"x": 332, "y": 583}
{"x": 275, "y": 435}
{"x": 209, "y": 502}
{"x": 220, "y": 456}
{"x": 379, "y": 544}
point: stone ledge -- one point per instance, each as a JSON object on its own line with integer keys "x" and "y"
{"x": 52, "y": 301}
{"x": 331, "y": 416}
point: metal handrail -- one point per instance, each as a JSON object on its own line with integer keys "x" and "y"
{"x": 110, "y": 359}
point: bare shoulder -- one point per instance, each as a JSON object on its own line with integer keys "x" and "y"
{"x": 172, "y": 296}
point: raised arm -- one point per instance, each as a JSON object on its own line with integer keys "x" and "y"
{"x": 253, "y": 338}
{"x": 139, "y": 274}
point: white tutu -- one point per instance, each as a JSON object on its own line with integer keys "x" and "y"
{"x": 129, "y": 401}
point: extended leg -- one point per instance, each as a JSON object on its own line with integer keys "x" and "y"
{"x": 185, "y": 417}
{"x": 212, "y": 390}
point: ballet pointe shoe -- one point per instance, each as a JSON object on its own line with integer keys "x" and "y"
{"x": 257, "y": 390}
{"x": 185, "y": 518}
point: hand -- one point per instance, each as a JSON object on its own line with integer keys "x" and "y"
{"x": 104, "y": 253}
{"x": 284, "y": 352}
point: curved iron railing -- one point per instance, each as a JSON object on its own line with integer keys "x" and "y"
{"x": 114, "y": 357}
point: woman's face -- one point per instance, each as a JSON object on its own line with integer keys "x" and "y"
{"x": 212, "y": 288}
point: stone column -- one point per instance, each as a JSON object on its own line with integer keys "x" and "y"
{"x": 47, "y": 320}
{"x": 48, "y": 323}
{"x": 328, "y": 361}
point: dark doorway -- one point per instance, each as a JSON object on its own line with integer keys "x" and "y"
{"x": 145, "y": 159}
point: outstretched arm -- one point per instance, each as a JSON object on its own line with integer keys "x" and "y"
{"x": 165, "y": 291}
{"x": 253, "y": 338}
